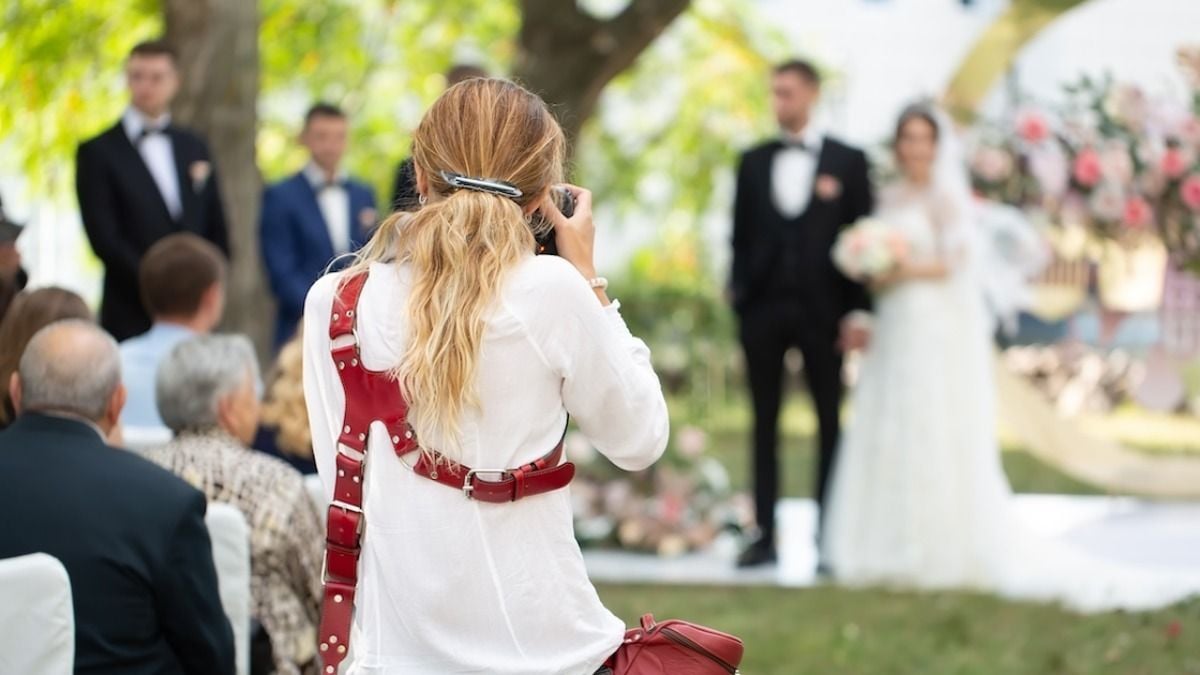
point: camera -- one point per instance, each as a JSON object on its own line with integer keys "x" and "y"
{"x": 543, "y": 229}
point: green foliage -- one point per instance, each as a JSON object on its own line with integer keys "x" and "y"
{"x": 671, "y": 298}
{"x": 668, "y": 128}
{"x": 60, "y": 65}
{"x": 381, "y": 60}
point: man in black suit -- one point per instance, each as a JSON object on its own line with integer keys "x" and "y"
{"x": 794, "y": 195}
{"x": 404, "y": 188}
{"x": 141, "y": 180}
{"x": 131, "y": 535}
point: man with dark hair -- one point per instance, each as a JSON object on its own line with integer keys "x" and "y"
{"x": 313, "y": 217}
{"x": 142, "y": 180}
{"x": 131, "y": 535}
{"x": 802, "y": 69}
{"x": 182, "y": 278}
{"x": 404, "y": 192}
{"x": 794, "y": 195}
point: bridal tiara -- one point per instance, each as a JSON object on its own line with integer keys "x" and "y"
{"x": 496, "y": 187}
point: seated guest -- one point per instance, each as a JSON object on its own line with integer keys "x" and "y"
{"x": 30, "y": 312}
{"x": 182, "y": 278}
{"x": 131, "y": 536}
{"x": 284, "y": 431}
{"x": 207, "y": 395}
{"x": 313, "y": 217}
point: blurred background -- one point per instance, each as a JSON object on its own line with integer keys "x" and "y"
{"x": 658, "y": 102}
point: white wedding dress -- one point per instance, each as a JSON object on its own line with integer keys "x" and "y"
{"x": 919, "y": 498}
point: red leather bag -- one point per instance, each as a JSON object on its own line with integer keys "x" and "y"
{"x": 676, "y": 648}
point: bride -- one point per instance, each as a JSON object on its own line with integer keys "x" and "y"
{"x": 919, "y": 498}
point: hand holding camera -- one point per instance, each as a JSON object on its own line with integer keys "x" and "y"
{"x": 574, "y": 234}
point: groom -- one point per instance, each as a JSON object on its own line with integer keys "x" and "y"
{"x": 794, "y": 195}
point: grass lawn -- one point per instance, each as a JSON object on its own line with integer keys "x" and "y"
{"x": 830, "y": 631}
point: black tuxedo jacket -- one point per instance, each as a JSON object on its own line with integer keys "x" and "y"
{"x": 124, "y": 214}
{"x": 764, "y": 240}
{"x": 133, "y": 539}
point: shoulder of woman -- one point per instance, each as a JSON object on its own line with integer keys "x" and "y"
{"x": 322, "y": 291}
{"x": 548, "y": 282}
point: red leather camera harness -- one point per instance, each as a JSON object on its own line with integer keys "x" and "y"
{"x": 374, "y": 396}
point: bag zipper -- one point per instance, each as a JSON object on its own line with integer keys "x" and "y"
{"x": 680, "y": 638}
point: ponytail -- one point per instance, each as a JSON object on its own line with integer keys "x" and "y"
{"x": 461, "y": 244}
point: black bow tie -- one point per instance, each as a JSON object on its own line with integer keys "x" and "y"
{"x": 796, "y": 144}
{"x": 148, "y": 131}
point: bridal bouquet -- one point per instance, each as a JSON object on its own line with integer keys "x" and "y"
{"x": 869, "y": 249}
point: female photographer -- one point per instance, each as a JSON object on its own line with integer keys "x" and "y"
{"x": 491, "y": 346}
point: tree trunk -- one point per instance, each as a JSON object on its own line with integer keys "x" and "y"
{"x": 217, "y": 44}
{"x": 568, "y": 56}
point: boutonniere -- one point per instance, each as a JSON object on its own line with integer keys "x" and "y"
{"x": 367, "y": 218}
{"x": 199, "y": 172}
{"x": 827, "y": 187}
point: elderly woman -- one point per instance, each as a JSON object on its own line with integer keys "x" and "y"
{"x": 207, "y": 395}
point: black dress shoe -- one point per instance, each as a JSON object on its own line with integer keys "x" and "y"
{"x": 761, "y": 552}
{"x": 824, "y": 572}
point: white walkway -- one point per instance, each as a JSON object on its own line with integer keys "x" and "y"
{"x": 1153, "y": 535}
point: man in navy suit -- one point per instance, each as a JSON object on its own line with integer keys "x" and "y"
{"x": 313, "y": 217}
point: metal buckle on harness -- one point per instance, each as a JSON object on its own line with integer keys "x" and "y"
{"x": 468, "y": 489}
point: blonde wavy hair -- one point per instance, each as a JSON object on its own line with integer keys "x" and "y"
{"x": 462, "y": 242}
{"x": 284, "y": 407}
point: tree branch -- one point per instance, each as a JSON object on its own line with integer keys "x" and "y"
{"x": 568, "y": 56}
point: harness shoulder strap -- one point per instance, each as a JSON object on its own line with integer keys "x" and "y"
{"x": 375, "y": 396}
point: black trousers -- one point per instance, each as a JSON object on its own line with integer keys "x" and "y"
{"x": 768, "y": 330}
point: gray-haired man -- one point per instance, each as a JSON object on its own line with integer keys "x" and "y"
{"x": 131, "y": 536}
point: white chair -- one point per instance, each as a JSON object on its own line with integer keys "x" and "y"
{"x": 37, "y": 618}
{"x": 141, "y": 439}
{"x": 231, "y": 554}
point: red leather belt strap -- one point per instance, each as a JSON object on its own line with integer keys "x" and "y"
{"x": 374, "y": 396}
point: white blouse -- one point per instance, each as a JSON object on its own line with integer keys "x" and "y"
{"x": 451, "y": 585}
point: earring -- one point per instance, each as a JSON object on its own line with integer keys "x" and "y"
{"x": 421, "y": 200}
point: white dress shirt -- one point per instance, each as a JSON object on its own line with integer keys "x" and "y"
{"x": 450, "y": 585}
{"x": 158, "y": 154}
{"x": 793, "y": 171}
{"x": 335, "y": 205}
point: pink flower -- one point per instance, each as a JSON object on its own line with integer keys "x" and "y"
{"x": 898, "y": 245}
{"x": 992, "y": 164}
{"x": 1033, "y": 127}
{"x": 1137, "y": 213}
{"x": 1126, "y": 104}
{"x": 1087, "y": 170}
{"x": 691, "y": 441}
{"x": 1189, "y": 130}
{"x": 858, "y": 242}
{"x": 1174, "y": 629}
{"x": 1190, "y": 192}
{"x": 1117, "y": 163}
{"x": 1049, "y": 167}
{"x": 1174, "y": 163}
{"x": 1107, "y": 203}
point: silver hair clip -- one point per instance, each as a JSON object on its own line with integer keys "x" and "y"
{"x": 459, "y": 181}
